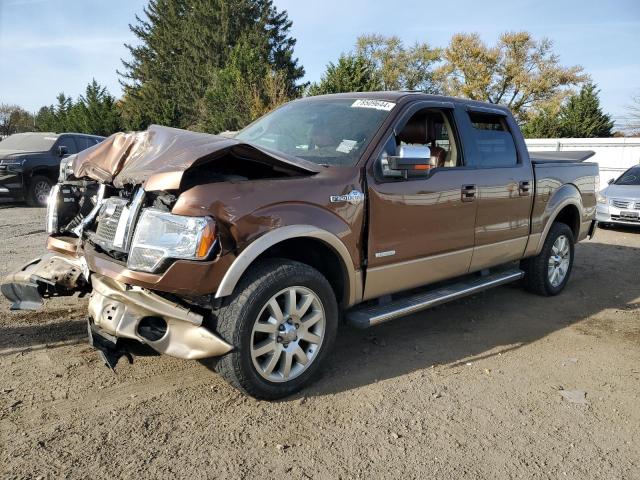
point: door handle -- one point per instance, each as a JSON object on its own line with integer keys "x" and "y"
{"x": 524, "y": 188}
{"x": 468, "y": 193}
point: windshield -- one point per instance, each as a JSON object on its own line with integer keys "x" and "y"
{"x": 28, "y": 142}
{"x": 323, "y": 131}
{"x": 630, "y": 177}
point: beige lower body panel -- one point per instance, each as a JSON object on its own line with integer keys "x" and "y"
{"x": 118, "y": 309}
{"x": 414, "y": 273}
{"x": 487, "y": 256}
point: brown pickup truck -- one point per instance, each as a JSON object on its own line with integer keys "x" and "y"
{"x": 359, "y": 208}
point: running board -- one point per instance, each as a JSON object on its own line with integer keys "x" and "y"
{"x": 369, "y": 316}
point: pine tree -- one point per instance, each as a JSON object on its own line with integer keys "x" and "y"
{"x": 184, "y": 47}
{"x": 95, "y": 112}
{"x": 582, "y": 116}
{"x": 352, "y": 73}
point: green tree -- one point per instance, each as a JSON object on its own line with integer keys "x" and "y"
{"x": 46, "y": 119}
{"x": 519, "y": 72}
{"x": 95, "y": 113}
{"x": 582, "y": 116}
{"x": 579, "y": 116}
{"x": 399, "y": 67}
{"x": 352, "y": 73}
{"x": 15, "y": 119}
{"x": 185, "y": 46}
{"x": 245, "y": 89}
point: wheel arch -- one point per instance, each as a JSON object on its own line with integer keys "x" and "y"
{"x": 564, "y": 206}
{"x": 314, "y": 246}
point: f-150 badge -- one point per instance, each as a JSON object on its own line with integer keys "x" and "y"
{"x": 352, "y": 197}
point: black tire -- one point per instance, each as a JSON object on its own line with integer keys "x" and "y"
{"x": 536, "y": 279}
{"x": 236, "y": 319}
{"x": 34, "y": 191}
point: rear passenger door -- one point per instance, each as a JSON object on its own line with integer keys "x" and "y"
{"x": 504, "y": 185}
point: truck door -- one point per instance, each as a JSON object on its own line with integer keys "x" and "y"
{"x": 503, "y": 180}
{"x": 421, "y": 229}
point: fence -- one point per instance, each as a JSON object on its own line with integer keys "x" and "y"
{"x": 613, "y": 155}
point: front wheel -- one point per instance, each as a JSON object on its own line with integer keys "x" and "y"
{"x": 282, "y": 322}
{"x": 548, "y": 272}
{"x": 38, "y": 191}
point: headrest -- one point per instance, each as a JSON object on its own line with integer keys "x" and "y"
{"x": 420, "y": 129}
{"x": 415, "y": 131}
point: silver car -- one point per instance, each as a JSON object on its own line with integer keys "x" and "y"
{"x": 619, "y": 203}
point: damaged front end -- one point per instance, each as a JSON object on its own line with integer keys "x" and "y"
{"x": 113, "y": 234}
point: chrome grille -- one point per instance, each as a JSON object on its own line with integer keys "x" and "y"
{"x": 107, "y": 225}
{"x": 107, "y": 222}
{"x": 116, "y": 222}
{"x": 618, "y": 203}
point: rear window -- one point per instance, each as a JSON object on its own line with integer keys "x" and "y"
{"x": 493, "y": 140}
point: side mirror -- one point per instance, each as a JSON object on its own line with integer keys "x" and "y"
{"x": 411, "y": 161}
{"x": 62, "y": 151}
{"x": 611, "y": 180}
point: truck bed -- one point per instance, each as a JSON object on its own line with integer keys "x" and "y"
{"x": 555, "y": 157}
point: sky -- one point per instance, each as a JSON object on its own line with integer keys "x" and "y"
{"x": 49, "y": 46}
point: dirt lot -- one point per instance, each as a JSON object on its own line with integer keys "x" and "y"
{"x": 473, "y": 389}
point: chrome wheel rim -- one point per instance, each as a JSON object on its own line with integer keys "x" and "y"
{"x": 559, "y": 261}
{"x": 41, "y": 190}
{"x": 288, "y": 334}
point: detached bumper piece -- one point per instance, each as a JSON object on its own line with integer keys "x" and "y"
{"x": 50, "y": 276}
{"x": 120, "y": 311}
{"x": 107, "y": 347}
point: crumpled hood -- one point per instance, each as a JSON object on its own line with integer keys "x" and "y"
{"x": 159, "y": 156}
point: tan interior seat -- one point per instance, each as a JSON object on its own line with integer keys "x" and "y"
{"x": 421, "y": 130}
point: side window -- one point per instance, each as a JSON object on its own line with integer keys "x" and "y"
{"x": 493, "y": 140}
{"x": 66, "y": 141}
{"x": 430, "y": 128}
{"x": 86, "y": 142}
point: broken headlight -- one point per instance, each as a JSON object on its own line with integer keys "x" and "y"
{"x": 160, "y": 236}
{"x": 52, "y": 209}
{"x": 66, "y": 168}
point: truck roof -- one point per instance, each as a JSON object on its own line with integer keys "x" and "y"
{"x": 408, "y": 95}
{"x": 53, "y": 134}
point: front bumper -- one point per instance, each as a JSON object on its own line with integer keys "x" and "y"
{"x": 116, "y": 310}
{"x": 120, "y": 310}
{"x": 11, "y": 182}
{"x": 611, "y": 214}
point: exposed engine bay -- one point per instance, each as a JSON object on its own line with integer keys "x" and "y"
{"x": 104, "y": 192}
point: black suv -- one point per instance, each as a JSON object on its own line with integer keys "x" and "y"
{"x": 30, "y": 162}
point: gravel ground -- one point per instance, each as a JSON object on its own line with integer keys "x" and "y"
{"x": 487, "y": 387}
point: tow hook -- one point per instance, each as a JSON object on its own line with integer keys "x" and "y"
{"x": 108, "y": 348}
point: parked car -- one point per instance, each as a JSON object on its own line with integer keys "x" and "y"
{"x": 619, "y": 203}
{"x": 364, "y": 207}
{"x": 30, "y": 162}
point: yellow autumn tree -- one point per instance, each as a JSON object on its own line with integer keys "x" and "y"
{"x": 519, "y": 71}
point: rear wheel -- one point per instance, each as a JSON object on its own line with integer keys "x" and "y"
{"x": 282, "y": 322}
{"x": 38, "y": 191}
{"x": 548, "y": 273}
